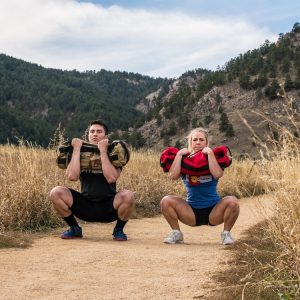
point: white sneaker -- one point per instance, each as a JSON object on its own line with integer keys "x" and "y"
{"x": 226, "y": 238}
{"x": 175, "y": 237}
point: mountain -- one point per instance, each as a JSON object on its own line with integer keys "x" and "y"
{"x": 223, "y": 100}
{"x": 35, "y": 100}
{"x": 157, "y": 112}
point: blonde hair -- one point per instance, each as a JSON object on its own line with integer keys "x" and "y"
{"x": 190, "y": 136}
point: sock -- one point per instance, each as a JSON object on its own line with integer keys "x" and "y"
{"x": 225, "y": 231}
{"x": 71, "y": 221}
{"x": 120, "y": 223}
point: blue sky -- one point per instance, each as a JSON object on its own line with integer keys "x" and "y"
{"x": 156, "y": 38}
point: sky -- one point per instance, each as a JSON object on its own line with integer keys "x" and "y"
{"x": 153, "y": 37}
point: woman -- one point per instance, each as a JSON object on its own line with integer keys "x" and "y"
{"x": 203, "y": 205}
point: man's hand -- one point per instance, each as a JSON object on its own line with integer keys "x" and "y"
{"x": 76, "y": 143}
{"x": 103, "y": 145}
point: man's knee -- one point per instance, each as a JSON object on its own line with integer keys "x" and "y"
{"x": 127, "y": 197}
{"x": 57, "y": 194}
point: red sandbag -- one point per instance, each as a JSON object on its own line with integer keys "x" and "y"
{"x": 196, "y": 164}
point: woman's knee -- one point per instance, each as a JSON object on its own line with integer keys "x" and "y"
{"x": 166, "y": 202}
{"x": 232, "y": 202}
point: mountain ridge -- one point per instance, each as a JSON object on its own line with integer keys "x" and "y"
{"x": 222, "y": 100}
{"x": 154, "y": 112}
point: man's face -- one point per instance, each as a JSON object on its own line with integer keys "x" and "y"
{"x": 96, "y": 134}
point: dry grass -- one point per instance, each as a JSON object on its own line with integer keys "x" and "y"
{"x": 243, "y": 179}
{"x": 27, "y": 174}
{"x": 266, "y": 264}
{"x": 250, "y": 268}
{"x": 146, "y": 179}
{"x": 15, "y": 240}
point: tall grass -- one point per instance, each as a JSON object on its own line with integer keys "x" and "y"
{"x": 243, "y": 179}
{"x": 284, "y": 227}
{"x": 146, "y": 179}
{"x": 27, "y": 174}
{"x": 267, "y": 264}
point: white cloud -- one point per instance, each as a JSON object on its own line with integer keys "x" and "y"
{"x": 66, "y": 34}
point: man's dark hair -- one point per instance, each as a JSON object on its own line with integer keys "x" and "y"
{"x": 99, "y": 122}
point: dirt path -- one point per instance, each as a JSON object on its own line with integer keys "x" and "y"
{"x": 142, "y": 268}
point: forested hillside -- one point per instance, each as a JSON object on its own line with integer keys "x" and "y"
{"x": 149, "y": 112}
{"x": 35, "y": 100}
{"x": 213, "y": 99}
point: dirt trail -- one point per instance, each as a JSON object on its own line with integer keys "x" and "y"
{"x": 142, "y": 268}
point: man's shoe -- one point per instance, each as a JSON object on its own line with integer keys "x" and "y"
{"x": 226, "y": 238}
{"x": 175, "y": 237}
{"x": 119, "y": 235}
{"x": 72, "y": 233}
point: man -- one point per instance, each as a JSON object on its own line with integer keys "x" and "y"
{"x": 98, "y": 200}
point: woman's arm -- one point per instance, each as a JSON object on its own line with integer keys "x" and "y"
{"x": 214, "y": 167}
{"x": 175, "y": 169}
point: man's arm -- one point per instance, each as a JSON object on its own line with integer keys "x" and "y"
{"x": 214, "y": 167}
{"x": 109, "y": 171}
{"x": 73, "y": 169}
{"x": 175, "y": 170}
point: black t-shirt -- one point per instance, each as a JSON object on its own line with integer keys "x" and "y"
{"x": 96, "y": 187}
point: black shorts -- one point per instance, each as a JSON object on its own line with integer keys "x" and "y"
{"x": 202, "y": 215}
{"x": 91, "y": 211}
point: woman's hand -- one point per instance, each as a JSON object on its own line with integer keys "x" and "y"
{"x": 175, "y": 169}
{"x": 207, "y": 150}
{"x": 214, "y": 166}
{"x": 183, "y": 151}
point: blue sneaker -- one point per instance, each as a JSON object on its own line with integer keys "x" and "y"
{"x": 119, "y": 235}
{"x": 72, "y": 233}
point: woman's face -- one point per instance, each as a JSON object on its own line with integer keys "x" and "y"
{"x": 198, "y": 141}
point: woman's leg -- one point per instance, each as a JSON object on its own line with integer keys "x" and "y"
{"x": 175, "y": 208}
{"x": 226, "y": 211}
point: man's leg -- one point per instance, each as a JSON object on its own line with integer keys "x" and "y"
{"x": 124, "y": 204}
{"x": 176, "y": 209}
{"x": 62, "y": 200}
{"x": 227, "y": 212}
